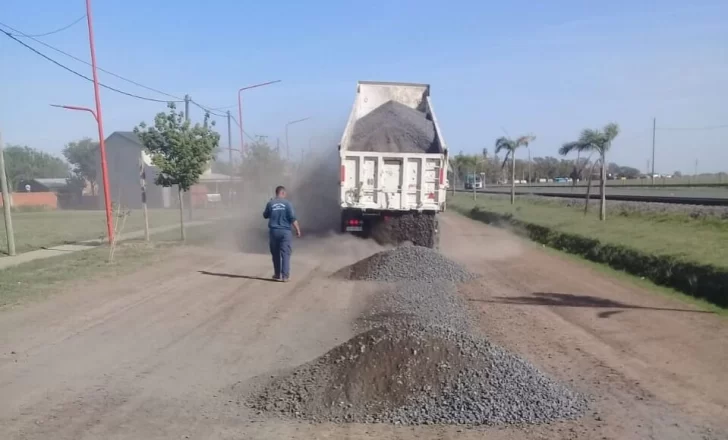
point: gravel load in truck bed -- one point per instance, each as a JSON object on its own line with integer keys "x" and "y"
{"x": 414, "y": 374}
{"x": 394, "y": 128}
{"x": 407, "y": 263}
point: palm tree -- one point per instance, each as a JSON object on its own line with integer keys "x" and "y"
{"x": 510, "y": 146}
{"x": 595, "y": 141}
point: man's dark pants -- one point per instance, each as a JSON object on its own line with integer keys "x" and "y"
{"x": 280, "y": 250}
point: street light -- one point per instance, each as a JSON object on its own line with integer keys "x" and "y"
{"x": 100, "y": 123}
{"x": 240, "y": 110}
{"x": 288, "y": 149}
{"x": 105, "y": 177}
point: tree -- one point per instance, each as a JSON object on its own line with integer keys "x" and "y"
{"x": 179, "y": 150}
{"x": 262, "y": 168}
{"x": 510, "y": 146}
{"x": 82, "y": 155}
{"x": 599, "y": 142}
{"x": 25, "y": 163}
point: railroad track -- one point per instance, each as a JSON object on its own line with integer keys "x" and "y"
{"x": 678, "y": 200}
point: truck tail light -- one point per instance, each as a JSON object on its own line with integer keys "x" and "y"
{"x": 442, "y": 176}
{"x": 342, "y": 173}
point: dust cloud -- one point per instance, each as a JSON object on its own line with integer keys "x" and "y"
{"x": 312, "y": 184}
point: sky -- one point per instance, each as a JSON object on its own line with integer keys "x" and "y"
{"x": 545, "y": 68}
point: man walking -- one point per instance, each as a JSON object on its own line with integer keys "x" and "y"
{"x": 281, "y": 218}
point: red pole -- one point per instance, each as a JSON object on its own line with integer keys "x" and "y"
{"x": 240, "y": 118}
{"x": 240, "y": 107}
{"x": 100, "y": 123}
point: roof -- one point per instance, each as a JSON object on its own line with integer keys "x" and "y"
{"x": 128, "y": 135}
{"x": 53, "y": 183}
{"x": 216, "y": 177}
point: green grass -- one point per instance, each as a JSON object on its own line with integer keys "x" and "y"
{"x": 38, "y": 279}
{"x": 36, "y": 230}
{"x": 704, "y": 242}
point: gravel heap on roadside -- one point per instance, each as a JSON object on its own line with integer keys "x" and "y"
{"x": 417, "y": 301}
{"x": 407, "y": 263}
{"x": 416, "y": 361}
{"x": 394, "y": 128}
{"x": 415, "y": 374}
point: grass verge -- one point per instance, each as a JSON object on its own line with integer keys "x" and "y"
{"x": 38, "y": 279}
{"x": 690, "y": 257}
{"x": 39, "y": 229}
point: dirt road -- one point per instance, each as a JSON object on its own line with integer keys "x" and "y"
{"x": 166, "y": 353}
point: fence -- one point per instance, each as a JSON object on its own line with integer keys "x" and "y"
{"x": 47, "y": 200}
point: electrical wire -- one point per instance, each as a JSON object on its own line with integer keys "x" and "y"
{"x": 207, "y": 109}
{"x": 709, "y": 127}
{"x": 226, "y": 107}
{"x": 51, "y": 32}
{"x": 151, "y": 89}
{"x": 132, "y": 95}
{"x": 244, "y": 132}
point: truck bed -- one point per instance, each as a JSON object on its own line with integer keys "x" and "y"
{"x": 393, "y": 175}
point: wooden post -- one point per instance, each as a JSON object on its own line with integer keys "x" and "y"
{"x": 6, "y": 203}
{"x": 143, "y": 183}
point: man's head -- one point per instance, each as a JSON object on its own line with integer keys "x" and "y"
{"x": 281, "y": 191}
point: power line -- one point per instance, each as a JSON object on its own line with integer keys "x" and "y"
{"x": 207, "y": 109}
{"x": 176, "y": 98}
{"x": 79, "y": 74}
{"x": 709, "y": 127}
{"x": 226, "y": 107}
{"x": 151, "y": 89}
{"x": 244, "y": 132}
{"x": 51, "y": 32}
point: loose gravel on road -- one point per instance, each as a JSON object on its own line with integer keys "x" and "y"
{"x": 415, "y": 374}
{"x": 394, "y": 128}
{"x": 407, "y": 263}
{"x": 418, "y": 229}
{"x": 416, "y": 361}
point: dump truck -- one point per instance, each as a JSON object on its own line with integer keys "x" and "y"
{"x": 393, "y": 164}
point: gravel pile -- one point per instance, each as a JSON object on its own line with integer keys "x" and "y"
{"x": 394, "y": 128}
{"x": 415, "y": 374}
{"x": 416, "y": 361}
{"x": 418, "y": 229}
{"x": 417, "y": 301}
{"x": 407, "y": 263}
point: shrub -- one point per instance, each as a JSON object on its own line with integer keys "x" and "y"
{"x": 698, "y": 280}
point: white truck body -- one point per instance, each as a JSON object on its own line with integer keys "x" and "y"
{"x": 385, "y": 181}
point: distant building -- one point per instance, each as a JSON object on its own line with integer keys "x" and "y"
{"x": 54, "y": 185}
{"x": 123, "y": 151}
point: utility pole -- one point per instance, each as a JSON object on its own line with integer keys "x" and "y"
{"x": 187, "y": 107}
{"x": 187, "y": 119}
{"x": 230, "y": 158}
{"x": 143, "y": 183}
{"x": 654, "y": 128}
{"x": 6, "y": 202}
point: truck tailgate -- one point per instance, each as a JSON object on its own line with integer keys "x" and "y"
{"x": 392, "y": 181}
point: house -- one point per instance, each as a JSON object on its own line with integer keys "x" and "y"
{"x": 124, "y": 151}
{"x": 42, "y": 185}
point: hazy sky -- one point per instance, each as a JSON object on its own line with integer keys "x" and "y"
{"x": 548, "y": 68}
